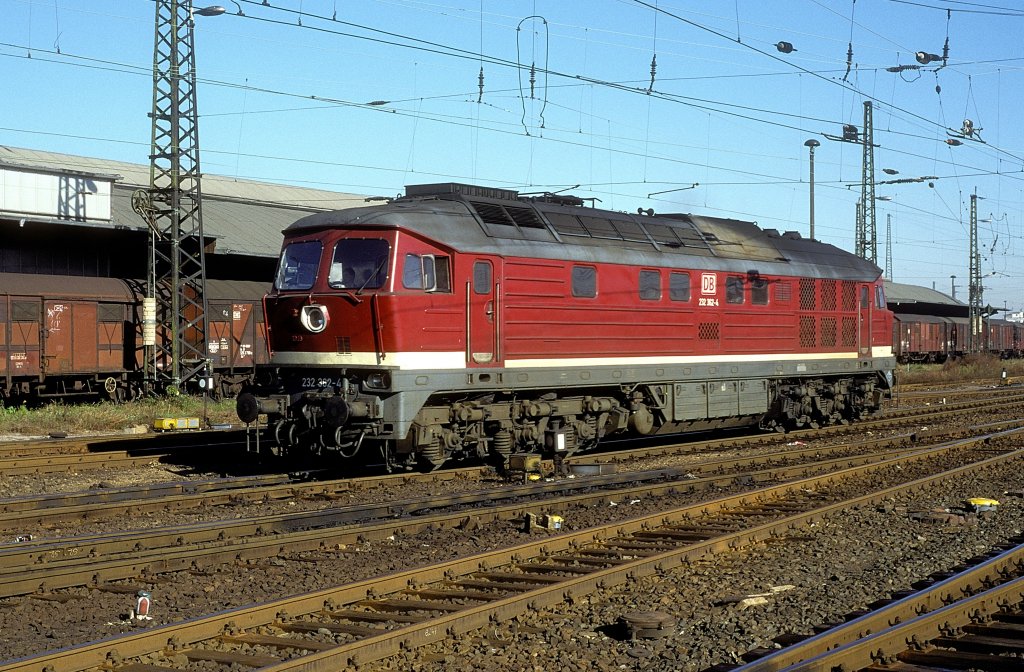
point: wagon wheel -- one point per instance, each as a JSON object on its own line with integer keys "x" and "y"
{"x": 110, "y": 386}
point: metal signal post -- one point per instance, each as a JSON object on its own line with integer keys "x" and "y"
{"x": 172, "y": 206}
{"x": 975, "y": 333}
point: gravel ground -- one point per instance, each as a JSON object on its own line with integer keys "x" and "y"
{"x": 890, "y": 551}
{"x": 814, "y": 576}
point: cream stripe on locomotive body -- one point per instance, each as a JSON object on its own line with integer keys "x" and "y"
{"x": 417, "y": 361}
{"x": 462, "y": 321}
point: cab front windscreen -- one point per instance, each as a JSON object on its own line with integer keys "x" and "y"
{"x": 359, "y": 263}
{"x": 298, "y": 266}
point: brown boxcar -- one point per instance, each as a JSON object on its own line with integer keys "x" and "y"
{"x": 69, "y": 336}
{"x": 64, "y": 336}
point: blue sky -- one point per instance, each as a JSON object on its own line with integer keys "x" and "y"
{"x": 285, "y": 92}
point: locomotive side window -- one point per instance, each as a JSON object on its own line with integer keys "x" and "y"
{"x": 864, "y": 301}
{"x": 679, "y": 286}
{"x": 298, "y": 266}
{"x": 482, "y": 277}
{"x": 879, "y": 297}
{"x": 584, "y": 281}
{"x": 734, "y": 289}
{"x": 359, "y": 263}
{"x": 759, "y": 292}
{"x": 426, "y": 272}
{"x": 650, "y": 285}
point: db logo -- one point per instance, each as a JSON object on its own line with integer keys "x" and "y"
{"x": 708, "y": 283}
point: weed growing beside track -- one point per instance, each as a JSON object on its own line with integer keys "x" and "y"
{"x": 978, "y": 369}
{"x": 109, "y": 417}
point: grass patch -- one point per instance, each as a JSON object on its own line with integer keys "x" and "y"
{"x": 110, "y": 417}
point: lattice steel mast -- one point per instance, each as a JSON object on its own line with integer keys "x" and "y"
{"x": 974, "y": 289}
{"x": 867, "y": 229}
{"x": 172, "y": 206}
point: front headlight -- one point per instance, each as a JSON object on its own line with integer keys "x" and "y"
{"x": 378, "y": 381}
{"x": 314, "y": 318}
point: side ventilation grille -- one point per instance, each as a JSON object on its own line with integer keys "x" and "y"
{"x": 807, "y": 332}
{"x": 708, "y": 331}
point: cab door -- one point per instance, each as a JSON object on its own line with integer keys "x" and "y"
{"x": 864, "y": 322}
{"x": 483, "y": 292}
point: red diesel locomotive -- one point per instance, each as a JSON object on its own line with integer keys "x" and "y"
{"x": 461, "y": 321}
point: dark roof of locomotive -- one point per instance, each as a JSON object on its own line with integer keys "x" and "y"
{"x": 499, "y": 222}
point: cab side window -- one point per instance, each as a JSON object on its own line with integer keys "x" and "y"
{"x": 427, "y": 272}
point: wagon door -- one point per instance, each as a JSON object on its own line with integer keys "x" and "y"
{"x": 482, "y": 324}
{"x": 243, "y": 334}
{"x": 864, "y": 323}
{"x": 69, "y": 337}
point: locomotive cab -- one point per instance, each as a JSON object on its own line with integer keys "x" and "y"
{"x": 337, "y": 338}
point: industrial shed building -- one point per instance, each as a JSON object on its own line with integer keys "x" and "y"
{"x": 72, "y": 215}
{"x": 914, "y": 300}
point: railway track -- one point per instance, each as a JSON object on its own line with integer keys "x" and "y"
{"x": 374, "y": 618}
{"x": 89, "y": 453}
{"x": 23, "y": 513}
{"x": 42, "y": 566}
{"x": 972, "y": 619}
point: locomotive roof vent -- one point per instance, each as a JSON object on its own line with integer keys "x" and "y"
{"x": 456, "y": 188}
{"x": 772, "y": 233}
{"x": 792, "y": 235}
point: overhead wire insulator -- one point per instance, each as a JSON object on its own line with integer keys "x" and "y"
{"x": 480, "y": 97}
{"x": 533, "y": 78}
{"x": 654, "y": 69}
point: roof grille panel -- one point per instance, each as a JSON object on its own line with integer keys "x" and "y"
{"x": 525, "y": 217}
{"x": 492, "y": 214}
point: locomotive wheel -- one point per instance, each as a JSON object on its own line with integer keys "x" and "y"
{"x": 110, "y": 386}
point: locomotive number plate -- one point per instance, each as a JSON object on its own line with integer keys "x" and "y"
{"x": 320, "y": 382}
{"x": 707, "y": 302}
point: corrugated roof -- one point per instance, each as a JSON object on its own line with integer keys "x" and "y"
{"x": 246, "y": 217}
{"x": 897, "y": 293}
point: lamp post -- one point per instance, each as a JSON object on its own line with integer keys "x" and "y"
{"x": 811, "y": 144}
